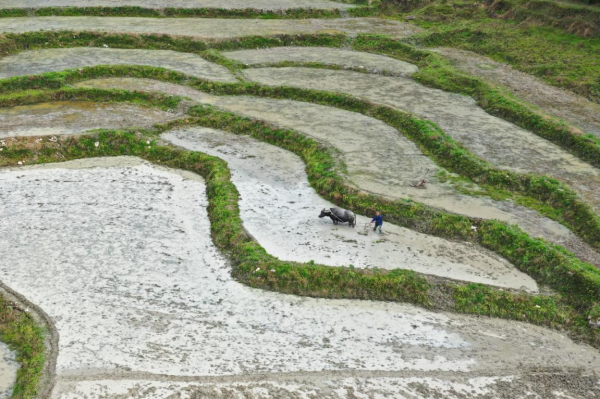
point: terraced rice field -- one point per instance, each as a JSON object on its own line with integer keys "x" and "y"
{"x": 161, "y": 181}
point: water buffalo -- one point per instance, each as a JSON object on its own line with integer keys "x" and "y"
{"x": 339, "y": 215}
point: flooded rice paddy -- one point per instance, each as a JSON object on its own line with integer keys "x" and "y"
{"x": 280, "y": 209}
{"x": 379, "y": 159}
{"x": 75, "y": 117}
{"x": 226, "y": 4}
{"x": 53, "y": 60}
{"x": 208, "y": 28}
{"x": 373, "y": 63}
{"x": 145, "y": 305}
{"x": 493, "y": 139}
{"x": 8, "y": 371}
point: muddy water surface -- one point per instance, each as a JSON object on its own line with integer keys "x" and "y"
{"x": 8, "y": 371}
{"x": 51, "y": 60}
{"x": 379, "y": 159}
{"x": 493, "y": 139}
{"x": 348, "y": 59}
{"x": 145, "y": 305}
{"x": 74, "y": 117}
{"x": 227, "y": 4}
{"x": 280, "y": 210}
{"x": 208, "y": 28}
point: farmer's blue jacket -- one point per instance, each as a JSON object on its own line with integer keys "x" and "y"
{"x": 378, "y": 220}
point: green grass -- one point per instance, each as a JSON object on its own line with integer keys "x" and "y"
{"x": 22, "y": 334}
{"x": 559, "y": 58}
{"x": 546, "y": 50}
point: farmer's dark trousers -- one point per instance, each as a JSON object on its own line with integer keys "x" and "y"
{"x": 377, "y": 226}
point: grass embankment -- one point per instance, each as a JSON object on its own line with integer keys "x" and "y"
{"x": 22, "y": 334}
{"x": 549, "y": 195}
{"x": 577, "y": 283}
{"x": 435, "y": 71}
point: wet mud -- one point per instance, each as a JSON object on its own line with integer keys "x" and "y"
{"x": 53, "y": 60}
{"x": 208, "y": 28}
{"x": 562, "y": 104}
{"x": 541, "y": 384}
{"x": 379, "y": 159}
{"x": 226, "y": 4}
{"x": 280, "y": 209}
{"x": 74, "y": 117}
{"x": 493, "y": 139}
{"x": 8, "y": 371}
{"x": 145, "y": 305}
{"x": 373, "y": 63}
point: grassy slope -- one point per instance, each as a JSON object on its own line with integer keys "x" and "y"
{"x": 556, "y": 56}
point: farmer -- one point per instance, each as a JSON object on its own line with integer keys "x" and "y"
{"x": 378, "y": 220}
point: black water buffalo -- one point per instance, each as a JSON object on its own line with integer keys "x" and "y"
{"x": 339, "y": 215}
